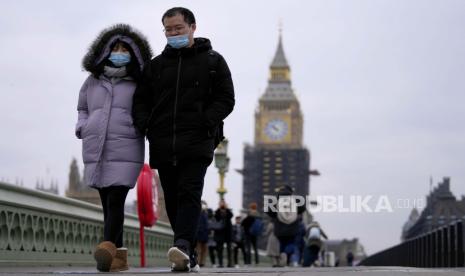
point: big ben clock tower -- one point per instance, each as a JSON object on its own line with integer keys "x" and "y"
{"x": 278, "y": 156}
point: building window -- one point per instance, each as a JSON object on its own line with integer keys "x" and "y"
{"x": 277, "y": 171}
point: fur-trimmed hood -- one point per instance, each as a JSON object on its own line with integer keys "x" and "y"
{"x": 100, "y": 48}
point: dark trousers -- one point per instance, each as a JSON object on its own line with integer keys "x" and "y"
{"x": 182, "y": 187}
{"x": 220, "y": 248}
{"x": 113, "y": 199}
{"x": 310, "y": 255}
{"x": 251, "y": 241}
{"x": 211, "y": 253}
{"x": 237, "y": 246}
{"x": 289, "y": 246}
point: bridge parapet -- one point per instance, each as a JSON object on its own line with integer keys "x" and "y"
{"x": 38, "y": 228}
{"x": 442, "y": 247}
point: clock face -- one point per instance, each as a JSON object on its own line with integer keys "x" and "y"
{"x": 276, "y": 129}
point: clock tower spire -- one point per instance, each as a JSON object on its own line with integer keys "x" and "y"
{"x": 278, "y": 120}
{"x": 278, "y": 156}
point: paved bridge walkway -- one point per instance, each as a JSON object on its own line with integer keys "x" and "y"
{"x": 255, "y": 271}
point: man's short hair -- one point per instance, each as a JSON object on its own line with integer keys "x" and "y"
{"x": 186, "y": 13}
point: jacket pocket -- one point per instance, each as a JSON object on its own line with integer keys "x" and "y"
{"x": 189, "y": 121}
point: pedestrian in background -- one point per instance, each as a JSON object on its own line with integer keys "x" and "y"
{"x": 313, "y": 243}
{"x": 286, "y": 224}
{"x": 272, "y": 246}
{"x": 202, "y": 235}
{"x": 223, "y": 234}
{"x": 238, "y": 241}
{"x": 253, "y": 229}
{"x": 350, "y": 258}
{"x": 212, "y": 225}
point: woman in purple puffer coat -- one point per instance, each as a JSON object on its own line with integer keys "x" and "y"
{"x": 112, "y": 148}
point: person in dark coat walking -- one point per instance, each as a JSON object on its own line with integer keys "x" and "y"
{"x": 112, "y": 148}
{"x": 287, "y": 225}
{"x": 250, "y": 238}
{"x": 212, "y": 225}
{"x": 238, "y": 241}
{"x": 350, "y": 258}
{"x": 314, "y": 236}
{"x": 223, "y": 234}
{"x": 185, "y": 95}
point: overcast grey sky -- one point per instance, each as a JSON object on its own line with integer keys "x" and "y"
{"x": 380, "y": 83}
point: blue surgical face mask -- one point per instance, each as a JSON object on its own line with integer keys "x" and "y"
{"x": 178, "y": 41}
{"x": 119, "y": 59}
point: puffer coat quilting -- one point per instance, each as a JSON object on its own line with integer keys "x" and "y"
{"x": 112, "y": 148}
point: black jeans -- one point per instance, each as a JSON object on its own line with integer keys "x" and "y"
{"x": 251, "y": 241}
{"x": 211, "y": 252}
{"x": 220, "y": 248}
{"x": 113, "y": 199}
{"x": 237, "y": 246}
{"x": 310, "y": 255}
{"x": 182, "y": 187}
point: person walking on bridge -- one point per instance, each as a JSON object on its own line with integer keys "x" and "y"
{"x": 186, "y": 93}
{"x": 112, "y": 148}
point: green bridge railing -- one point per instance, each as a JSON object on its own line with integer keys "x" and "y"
{"x": 38, "y": 228}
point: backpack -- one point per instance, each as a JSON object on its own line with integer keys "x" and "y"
{"x": 256, "y": 228}
{"x": 214, "y": 224}
{"x": 288, "y": 216}
{"x": 314, "y": 233}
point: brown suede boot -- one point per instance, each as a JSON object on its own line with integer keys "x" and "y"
{"x": 120, "y": 261}
{"x": 104, "y": 254}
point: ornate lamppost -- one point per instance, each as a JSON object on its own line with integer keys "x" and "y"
{"x": 222, "y": 164}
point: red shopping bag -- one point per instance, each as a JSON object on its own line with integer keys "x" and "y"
{"x": 147, "y": 204}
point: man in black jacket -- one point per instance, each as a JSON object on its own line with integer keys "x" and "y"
{"x": 185, "y": 94}
{"x": 223, "y": 235}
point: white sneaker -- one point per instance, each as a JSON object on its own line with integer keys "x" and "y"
{"x": 195, "y": 268}
{"x": 179, "y": 260}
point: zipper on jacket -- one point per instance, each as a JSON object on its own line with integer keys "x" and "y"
{"x": 175, "y": 109}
